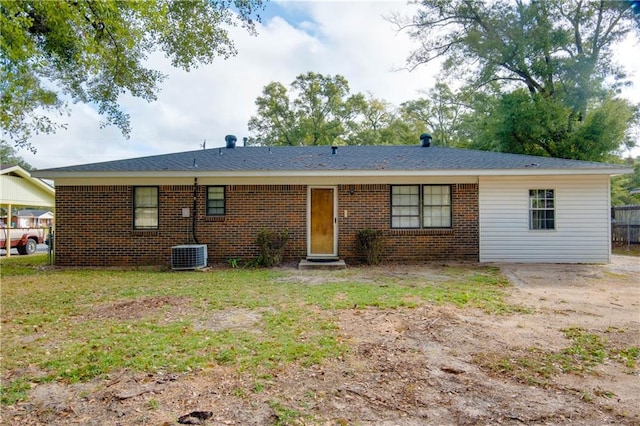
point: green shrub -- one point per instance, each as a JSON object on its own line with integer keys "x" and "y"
{"x": 371, "y": 245}
{"x": 271, "y": 244}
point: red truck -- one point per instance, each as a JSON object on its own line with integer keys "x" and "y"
{"x": 25, "y": 240}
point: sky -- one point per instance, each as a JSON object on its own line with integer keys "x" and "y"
{"x": 350, "y": 38}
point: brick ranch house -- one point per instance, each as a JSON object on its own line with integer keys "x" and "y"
{"x": 432, "y": 203}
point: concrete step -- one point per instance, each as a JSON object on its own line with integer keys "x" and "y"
{"x": 324, "y": 265}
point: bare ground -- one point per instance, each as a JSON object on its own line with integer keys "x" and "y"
{"x": 406, "y": 367}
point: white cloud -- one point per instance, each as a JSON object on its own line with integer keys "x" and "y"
{"x": 347, "y": 38}
{"x": 350, "y": 38}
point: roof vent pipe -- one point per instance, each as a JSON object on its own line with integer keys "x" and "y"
{"x": 334, "y": 149}
{"x": 231, "y": 141}
{"x": 425, "y": 140}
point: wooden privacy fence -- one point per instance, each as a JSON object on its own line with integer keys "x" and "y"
{"x": 625, "y": 224}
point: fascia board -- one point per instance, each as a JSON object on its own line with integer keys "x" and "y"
{"x": 336, "y": 173}
{"x": 43, "y": 185}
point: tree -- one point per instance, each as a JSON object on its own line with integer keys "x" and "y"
{"x": 377, "y": 123}
{"x": 522, "y": 123}
{"x": 558, "y": 51}
{"x": 621, "y": 185}
{"x": 317, "y": 110}
{"x": 275, "y": 123}
{"x": 9, "y": 157}
{"x": 94, "y": 51}
{"x": 439, "y": 113}
{"x": 551, "y": 47}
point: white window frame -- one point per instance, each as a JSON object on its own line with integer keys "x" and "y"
{"x": 542, "y": 209}
{"x": 409, "y": 211}
{"x": 224, "y": 201}
{"x": 146, "y": 208}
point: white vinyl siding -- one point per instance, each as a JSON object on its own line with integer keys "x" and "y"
{"x": 582, "y": 220}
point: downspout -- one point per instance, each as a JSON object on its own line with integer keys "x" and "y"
{"x": 194, "y": 215}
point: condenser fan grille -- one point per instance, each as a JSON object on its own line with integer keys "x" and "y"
{"x": 189, "y": 256}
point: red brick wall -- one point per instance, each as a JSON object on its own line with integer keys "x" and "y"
{"x": 249, "y": 208}
{"x": 368, "y": 206}
{"x": 94, "y": 224}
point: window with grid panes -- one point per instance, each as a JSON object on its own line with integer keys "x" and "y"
{"x": 542, "y": 209}
{"x": 436, "y": 206}
{"x": 145, "y": 207}
{"x": 215, "y": 201}
{"x": 421, "y": 206}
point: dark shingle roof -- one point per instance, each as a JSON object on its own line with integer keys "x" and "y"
{"x": 355, "y": 158}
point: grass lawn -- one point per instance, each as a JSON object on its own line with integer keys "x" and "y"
{"x": 73, "y": 325}
{"x": 626, "y": 249}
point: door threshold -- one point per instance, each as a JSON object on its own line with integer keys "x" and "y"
{"x": 323, "y": 259}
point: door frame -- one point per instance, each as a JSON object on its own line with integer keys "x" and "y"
{"x": 335, "y": 222}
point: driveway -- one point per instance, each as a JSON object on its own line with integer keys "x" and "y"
{"x": 42, "y": 248}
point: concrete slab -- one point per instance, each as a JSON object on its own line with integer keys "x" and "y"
{"x": 330, "y": 265}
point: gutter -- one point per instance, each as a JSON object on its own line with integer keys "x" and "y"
{"x": 611, "y": 171}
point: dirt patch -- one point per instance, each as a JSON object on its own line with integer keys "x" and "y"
{"x": 232, "y": 319}
{"x": 406, "y": 366}
{"x": 171, "y": 308}
{"x": 136, "y": 309}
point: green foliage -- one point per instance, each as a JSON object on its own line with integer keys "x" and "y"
{"x": 524, "y": 123}
{"x": 370, "y": 243}
{"x": 620, "y": 185}
{"x": 93, "y": 52}
{"x": 275, "y": 123}
{"x": 516, "y": 42}
{"x": 317, "y": 110}
{"x": 543, "y": 80}
{"x": 375, "y": 124}
{"x": 271, "y": 245}
{"x": 439, "y": 114}
{"x": 8, "y": 156}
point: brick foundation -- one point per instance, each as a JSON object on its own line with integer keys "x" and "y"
{"x": 94, "y": 224}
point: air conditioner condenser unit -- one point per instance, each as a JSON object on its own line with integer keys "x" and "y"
{"x": 192, "y": 256}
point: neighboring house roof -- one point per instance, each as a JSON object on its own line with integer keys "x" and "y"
{"x": 18, "y": 187}
{"x": 33, "y": 213}
{"x": 352, "y": 160}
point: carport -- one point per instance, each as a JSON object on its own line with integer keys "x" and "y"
{"x": 19, "y": 189}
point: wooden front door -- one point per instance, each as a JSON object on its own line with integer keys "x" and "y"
{"x": 322, "y": 223}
